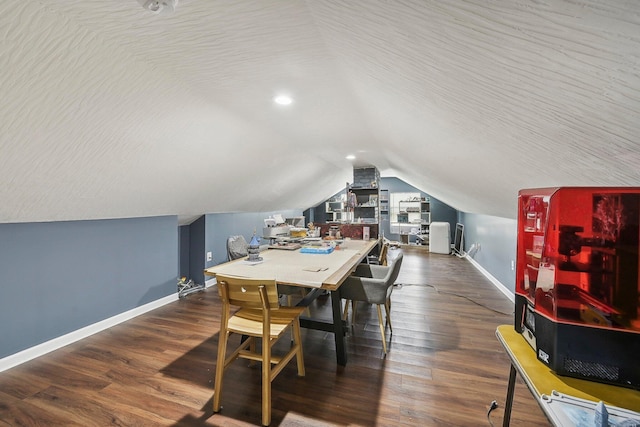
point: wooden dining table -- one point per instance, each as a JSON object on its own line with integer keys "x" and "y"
{"x": 317, "y": 271}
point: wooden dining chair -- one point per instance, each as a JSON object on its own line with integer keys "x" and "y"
{"x": 260, "y": 316}
{"x": 237, "y": 247}
{"x": 372, "y": 284}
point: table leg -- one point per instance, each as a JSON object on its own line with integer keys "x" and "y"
{"x": 338, "y": 328}
{"x": 509, "y": 401}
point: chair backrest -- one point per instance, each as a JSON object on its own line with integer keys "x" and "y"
{"x": 372, "y": 290}
{"x": 248, "y": 293}
{"x": 395, "y": 269}
{"x": 237, "y": 247}
{"x": 382, "y": 259}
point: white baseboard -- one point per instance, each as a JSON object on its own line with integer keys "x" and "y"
{"x": 56, "y": 343}
{"x": 493, "y": 280}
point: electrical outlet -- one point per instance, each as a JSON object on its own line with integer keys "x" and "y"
{"x": 513, "y": 265}
{"x": 209, "y": 256}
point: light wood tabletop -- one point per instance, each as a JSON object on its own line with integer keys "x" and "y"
{"x": 293, "y": 267}
{"x": 311, "y": 270}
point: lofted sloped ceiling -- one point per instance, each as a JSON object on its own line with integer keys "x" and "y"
{"x": 108, "y": 110}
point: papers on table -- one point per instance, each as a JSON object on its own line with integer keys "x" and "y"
{"x": 315, "y": 269}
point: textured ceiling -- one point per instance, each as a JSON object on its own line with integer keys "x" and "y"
{"x": 110, "y": 111}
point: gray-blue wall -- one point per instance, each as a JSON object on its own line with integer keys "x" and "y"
{"x": 197, "y": 241}
{"x": 218, "y": 227}
{"x": 58, "y": 277}
{"x": 497, "y": 239}
{"x": 184, "y": 251}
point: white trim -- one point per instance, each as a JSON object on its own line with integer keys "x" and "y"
{"x": 493, "y": 280}
{"x": 56, "y": 343}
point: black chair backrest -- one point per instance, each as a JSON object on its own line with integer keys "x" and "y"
{"x": 237, "y": 247}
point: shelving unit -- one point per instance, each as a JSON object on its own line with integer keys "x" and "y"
{"x": 409, "y": 211}
{"x": 425, "y": 211}
{"x": 367, "y": 205}
{"x": 358, "y": 206}
{"x": 384, "y": 205}
{"x": 413, "y": 218}
{"x": 365, "y": 188}
{"x": 425, "y": 221}
{"x": 335, "y": 210}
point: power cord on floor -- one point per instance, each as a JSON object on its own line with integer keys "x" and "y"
{"x": 493, "y": 406}
{"x": 400, "y": 285}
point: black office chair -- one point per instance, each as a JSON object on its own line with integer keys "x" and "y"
{"x": 237, "y": 247}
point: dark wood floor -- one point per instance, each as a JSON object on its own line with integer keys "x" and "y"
{"x": 444, "y": 366}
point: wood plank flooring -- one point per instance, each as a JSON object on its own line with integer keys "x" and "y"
{"x": 444, "y": 366}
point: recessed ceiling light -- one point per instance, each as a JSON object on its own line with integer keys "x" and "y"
{"x": 283, "y": 100}
{"x": 158, "y": 6}
{"x": 350, "y": 157}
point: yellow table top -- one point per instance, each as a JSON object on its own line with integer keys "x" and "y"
{"x": 542, "y": 380}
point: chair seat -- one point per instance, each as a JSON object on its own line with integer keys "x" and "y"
{"x": 249, "y": 322}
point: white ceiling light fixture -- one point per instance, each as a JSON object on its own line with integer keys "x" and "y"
{"x": 158, "y": 6}
{"x": 283, "y": 100}
{"x": 350, "y": 157}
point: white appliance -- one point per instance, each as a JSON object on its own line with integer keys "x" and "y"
{"x": 439, "y": 238}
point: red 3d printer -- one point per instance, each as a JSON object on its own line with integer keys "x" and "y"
{"x": 578, "y": 281}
